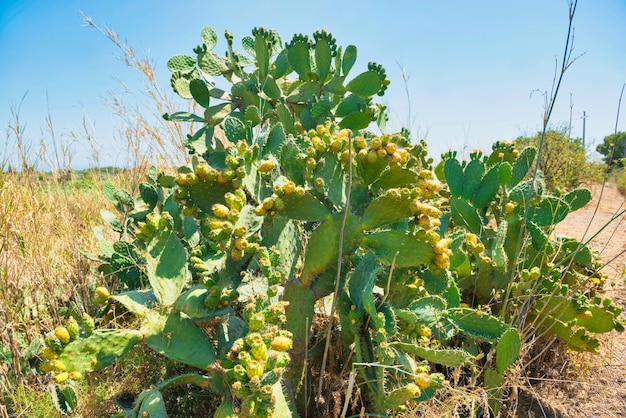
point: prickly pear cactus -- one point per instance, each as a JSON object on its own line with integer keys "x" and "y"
{"x": 288, "y": 204}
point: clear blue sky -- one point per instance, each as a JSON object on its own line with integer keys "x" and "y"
{"x": 472, "y": 64}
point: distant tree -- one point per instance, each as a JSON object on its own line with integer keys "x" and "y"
{"x": 563, "y": 160}
{"x": 614, "y": 149}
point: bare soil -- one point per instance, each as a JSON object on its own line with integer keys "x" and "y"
{"x": 588, "y": 385}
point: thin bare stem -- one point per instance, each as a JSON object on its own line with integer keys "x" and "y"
{"x": 342, "y": 231}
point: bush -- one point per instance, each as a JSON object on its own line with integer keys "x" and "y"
{"x": 563, "y": 161}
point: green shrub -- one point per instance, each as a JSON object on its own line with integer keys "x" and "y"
{"x": 563, "y": 161}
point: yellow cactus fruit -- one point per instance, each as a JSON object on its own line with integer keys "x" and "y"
{"x": 281, "y": 343}
{"x": 48, "y": 353}
{"x": 61, "y": 377}
{"x": 509, "y": 208}
{"x": 220, "y": 211}
{"x": 266, "y": 166}
{"x": 422, "y": 380}
{"x": 75, "y": 375}
{"x": 62, "y": 334}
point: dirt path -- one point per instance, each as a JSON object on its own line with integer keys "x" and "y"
{"x": 590, "y": 385}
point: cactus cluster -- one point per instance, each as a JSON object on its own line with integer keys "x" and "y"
{"x": 224, "y": 263}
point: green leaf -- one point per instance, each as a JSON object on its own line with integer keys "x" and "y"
{"x": 300, "y": 59}
{"x": 166, "y": 265}
{"x": 304, "y": 208}
{"x": 411, "y": 251}
{"x": 349, "y": 58}
{"x": 356, "y": 121}
{"x": 508, "y": 349}
{"x": 465, "y": 215}
{"x": 477, "y": 324}
{"x": 216, "y": 114}
{"x": 209, "y": 37}
{"x": 504, "y": 173}
{"x": 601, "y": 320}
{"x": 386, "y": 209}
{"x": 152, "y": 405}
{"x": 448, "y": 358}
{"x": 435, "y": 283}
{"x": 335, "y": 86}
{"x": 522, "y": 165}
{"x": 488, "y": 188}
{"x": 179, "y": 338}
{"x": 550, "y": 211}
{"x": 108, "y": 189}
{"x": 234, "y": 129}
{"x": 323, "y": 58}
{"x": 322, "y": 249}
{"x": 395, "y": 178}
{"x": 262, "y": 55}
{"x": 454, "y": 176}
{"x": 105, "y": 345}
{"x": 275, "y": 140}
{"x": 577, "y": 199}
{"x": 281, "y": 65}
{"x": 111, "y": 220}
{"x": 349, "y": 105}
{"x": 139, "y": 302}
{"x": 181, "y": 63}
{"x": 365, "y": 84}
{"x": 183, "y": 117}
{"x": 211, "y": 63}
{"x": 191, "y": 303}
{"x": 471, "y": 177}
{"x": 361, "y": 285}
{"x": 271, "y": 89}
{"x": 149, "y": 194}
{"x": 200, "y": 92}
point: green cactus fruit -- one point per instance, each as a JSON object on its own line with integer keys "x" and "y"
{"x": 61, "y": 377}
{"x": 259, "y": 351}
{"x": 53, "y": 342}
{"x": 72, "y": 328}
{"x": 88, "y": 324}
{"x": 255, "y": 368}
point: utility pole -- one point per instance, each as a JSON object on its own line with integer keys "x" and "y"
{"x": 584, "y": 124}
